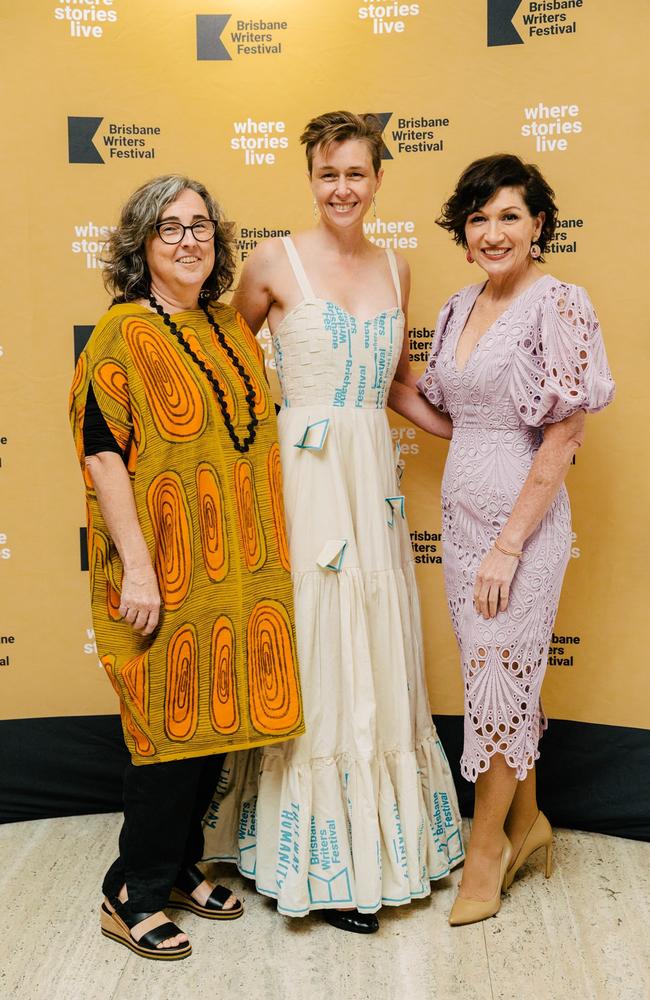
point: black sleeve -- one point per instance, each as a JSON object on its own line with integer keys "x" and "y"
{"x": 97, "y": 434}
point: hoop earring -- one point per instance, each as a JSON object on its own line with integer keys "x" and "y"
{"x": 535, "y": 251}
{"x": 374, "y": 207}
{"x": 469, "y": 258}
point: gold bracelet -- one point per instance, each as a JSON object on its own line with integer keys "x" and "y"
{"x": 507, "y": 552}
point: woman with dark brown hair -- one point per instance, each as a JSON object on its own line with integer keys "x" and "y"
{"x": 191, "y": 594}
{"x": 517, "y": 360}
{"x": 361, "y": 811}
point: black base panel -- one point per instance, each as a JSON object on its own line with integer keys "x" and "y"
{"x": 589, "y": 777}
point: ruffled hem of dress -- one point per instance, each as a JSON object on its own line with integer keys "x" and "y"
{"x": 528, "y": 757}
{"x": 339, "y": 831}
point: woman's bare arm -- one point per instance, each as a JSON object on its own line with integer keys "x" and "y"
{"x": 404, "y": 397}
{"x": 253, "y": 297}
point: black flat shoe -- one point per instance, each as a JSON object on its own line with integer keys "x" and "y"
{"x": 181, "y": 897}
{"x": 352, "y": 920}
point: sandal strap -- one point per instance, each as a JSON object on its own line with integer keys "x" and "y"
{"x": 154, "y": 937}
{"x": 188, "y": 878}
{"x": 218, "y": 897}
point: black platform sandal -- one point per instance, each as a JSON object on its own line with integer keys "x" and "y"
{"x": 352, "y": 920}
{"x": 115, "y": 926}
{"x": 181, "y": 897}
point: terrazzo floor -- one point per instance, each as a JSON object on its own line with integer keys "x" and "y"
{"x": 582, "y": 935}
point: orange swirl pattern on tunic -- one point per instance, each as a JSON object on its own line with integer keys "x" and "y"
{"x": 262, "y": 398}
{"x": 211, "y": 521}
{"x": 135, "y": 677}
{"x": 224, "y": 708}
{"x": 277, "y": 504}
{"x": 248, "y": 511}
{"x": 214, "y": 537}
{"x": 170, "y": 516}
{"x": 182, "y": 684}
{"x": 274, "y": 696}
{"x": 143, "y": 744}
{"x": 173, "y": 393}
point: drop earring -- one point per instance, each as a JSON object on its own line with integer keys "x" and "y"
{"x": 314, "y": 210}
{"x": 374, "y": 207}
{"x": 535, "y": 251}
{"x": 469, "y": 258}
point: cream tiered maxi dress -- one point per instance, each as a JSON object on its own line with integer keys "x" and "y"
{"x": 360, "y": 811}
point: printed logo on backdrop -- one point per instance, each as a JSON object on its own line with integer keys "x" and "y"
{"x": 260, "y": 141}
{"x": 388, "y": 18}
{"x": 90, "y": 137}
{"x": 566, "y": 238}
{"x": 88, "y": 242}
{"x": 535, "y": 19}
{"x": 244, "y": 37}
{"x": 87, "y": 20}
{"x": 408, "y": 136}
{"x": 552, "y": 126}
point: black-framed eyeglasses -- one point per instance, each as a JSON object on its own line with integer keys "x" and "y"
{"x": 174, "y": 232}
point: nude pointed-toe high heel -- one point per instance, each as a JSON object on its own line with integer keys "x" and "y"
{"x": 539, "y": 835}
{"x": 470, "y": 911}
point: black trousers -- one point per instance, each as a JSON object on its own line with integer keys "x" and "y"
{"x": 164, "y": 805}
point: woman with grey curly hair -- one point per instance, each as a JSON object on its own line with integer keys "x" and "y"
{"x": 190, "y": 587}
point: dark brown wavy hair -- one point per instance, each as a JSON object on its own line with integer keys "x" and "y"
{"x": 125, "y": 272}
{"x": 481, "y": 180}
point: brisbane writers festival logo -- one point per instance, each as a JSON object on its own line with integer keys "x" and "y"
{"x": 117, "y": 140}
{"x": 535, "y": 18}
{"x": 245, "y": 37}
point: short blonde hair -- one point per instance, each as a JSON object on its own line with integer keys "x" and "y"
{"x": 337, "y": 126}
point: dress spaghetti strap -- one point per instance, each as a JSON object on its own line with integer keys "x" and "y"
{"x": 297, "y": 268}
{"x": 395, "y": 276}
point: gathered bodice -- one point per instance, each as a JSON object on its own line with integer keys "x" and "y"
{"x": 325, "y": 356}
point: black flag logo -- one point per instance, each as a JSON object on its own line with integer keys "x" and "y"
{"x": 500, "y": 29}
{"x": 209, "y": 28}
{"x": 383, "y": 118}
{"x": 81, "y": 132}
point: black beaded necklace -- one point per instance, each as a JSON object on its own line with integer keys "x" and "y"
{"x": 241, "y": 445}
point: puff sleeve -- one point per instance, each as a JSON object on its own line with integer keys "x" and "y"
{"x": 559, "y": 364}
{"x": 429, "y": 384}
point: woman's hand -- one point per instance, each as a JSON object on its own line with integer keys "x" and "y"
{"x": 492, "y": 584}
{"x": 140, "y": 599}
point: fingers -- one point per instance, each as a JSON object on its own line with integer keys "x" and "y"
{"x": 141, "y": 615}
{"x": 490, "y": 597}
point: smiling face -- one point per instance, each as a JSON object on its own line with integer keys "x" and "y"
{"x": 500, "y": 233}
{"x": 178, "y": 270}
{"x": 343, "y": 182}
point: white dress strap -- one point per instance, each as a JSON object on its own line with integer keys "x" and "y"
{"x": 297, "y": 268}
{"x": 395, "y": 275}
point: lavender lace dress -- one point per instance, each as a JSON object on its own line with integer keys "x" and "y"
{"x": 542, "y": 360}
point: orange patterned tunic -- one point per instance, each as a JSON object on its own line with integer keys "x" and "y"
{"x": 220, "y": 671}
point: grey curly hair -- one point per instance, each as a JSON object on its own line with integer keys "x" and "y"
{"x": 125, "y": 272}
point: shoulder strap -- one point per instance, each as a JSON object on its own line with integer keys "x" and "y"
{"x": 395, "y": 275}
{"x": 297, "y": 268}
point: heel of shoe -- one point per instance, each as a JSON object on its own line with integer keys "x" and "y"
{"x": 549, "y": 859}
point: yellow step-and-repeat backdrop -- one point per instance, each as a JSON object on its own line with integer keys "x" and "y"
{"x": 103, "y": 94}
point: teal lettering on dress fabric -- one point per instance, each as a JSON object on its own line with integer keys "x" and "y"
{"x": 247, "y": 820}
{"x": 399, "y": 845}
{"x": 279, "y": 367}
{"x": 289, "y": 845}
{"x": 437, "y": 825}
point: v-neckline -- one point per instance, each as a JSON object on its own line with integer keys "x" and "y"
{"x": 488, "y": 331}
